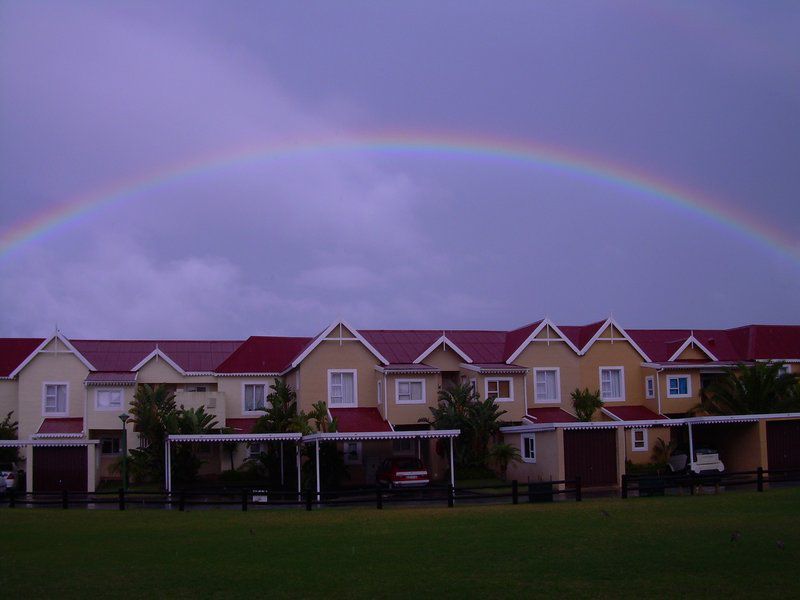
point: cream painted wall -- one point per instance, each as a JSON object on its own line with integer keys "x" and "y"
{"x": 230, "y": 394}
{"x": 409, "y": 414}
{"x": 337, "y": 355}
{"x": 679, "y": 405}
{"x": 8, "y": 399}
{"x": 645, "y": 456}
{"x": 446, "y": 360}
{"x": 49, "y": 367}
{"x": 549, "y": 465}
{"x": 554, "y": 354}
{"x": 614, "y": 354}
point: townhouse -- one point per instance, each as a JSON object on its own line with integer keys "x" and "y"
{"x": 68, "y": 394}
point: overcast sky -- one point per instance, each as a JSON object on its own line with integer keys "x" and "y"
{"x": 702, "y": 95}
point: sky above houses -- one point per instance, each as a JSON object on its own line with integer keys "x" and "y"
{"x": 228, "y": 171}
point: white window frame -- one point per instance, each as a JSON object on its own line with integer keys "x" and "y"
{"x": 645, "y": 443}
{"x": 257, "y": 411}
{"x": 688, "y": 393}
{"x": 510, "y": 381}
{"x": 621, "y": 383}
{"x": 522, "y": 451}
{"x": 355, "y": 388}
{"x": 45, "y": 412}
{"x": 536, "y": 398}
{"x": 649, "y": 387}
{"x": 253, "y": 450}
{"x": 359, "y": 456}
{"x": 409, "y": 381}
{"x": 97, "y": 393}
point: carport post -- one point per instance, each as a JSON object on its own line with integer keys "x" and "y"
{"x": 282, "y": 478}
{"x": 299, "y": 489}
{"x": 691, "y": 446}
{"x": 452, "y": 465}
{"x": 168, "y": 466}
{"x": 316, "y": 445}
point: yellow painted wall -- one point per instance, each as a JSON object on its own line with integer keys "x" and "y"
{"x": 8, "y": 398}
{"x": 679, "y": 405}
{"x": 230, "y": 394}
{"x": 409, "y": 414}
{"x": 554, "y": 354}
{"x": 446, "y": 360}
{"x": 643, "y": 457}
{"x": 614, "y": 354}
{"x": 549, "y": 464}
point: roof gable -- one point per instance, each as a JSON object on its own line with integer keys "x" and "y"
{"x": 55, "y": 338}
{"x": 535, "y": 331}
{"x": 445, "y": 343}
{"x": 611, "y": 326}
{"x": 325, "y": 336}
{"x": 13, "y": 351}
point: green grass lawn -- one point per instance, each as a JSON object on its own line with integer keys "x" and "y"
{"x": 675, "y": 546}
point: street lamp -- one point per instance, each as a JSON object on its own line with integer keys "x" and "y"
{"x": 124, "y": 417}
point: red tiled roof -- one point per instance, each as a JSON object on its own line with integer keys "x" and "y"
{"x": 581, "y": 334}
{"x": 405, "y": 346}
{"x": 516, "y": 337}
{"x": 550, "y": 415}
{"x": 262, "y": 354}
{"x": 499, "y": 368}
{"x": 15, "y": 350}
{"x": 768, "y": 341}
{"x": 410, "y": 367}
{"x": 354, "y": 420}
{"x": 61, "y": 425}
{"x": 633, "y": 413}
{"x": 123, "y": 355}
{"x": 123, "y": 377}
{"x": 243, "y": 425}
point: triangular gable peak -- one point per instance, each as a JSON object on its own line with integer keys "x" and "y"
{"x": 338, "y": 331}
{"x": 56, "y": 338}
{"x": 692, "y": 342}
{"x": 158, "y": 354}
{"x": 610, "y": 331}
{"x": 543, "y": 333}
{"x": 444, "y": 343}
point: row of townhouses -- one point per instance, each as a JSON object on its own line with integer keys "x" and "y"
{"x": 67, "y": 394}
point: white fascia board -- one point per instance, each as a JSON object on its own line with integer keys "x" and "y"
{"x": 545, "y": 322}
{"x": 692, "y": 340}
{"x": 608, "y": 413}
{"x": 321, "y": 337}
{"x": 235, "y": 437}
{"x": 43, "y": 345}
{"x": 442, "y": 340}
{"x": 158, "y": 352}
{"x": 629, "y": 339}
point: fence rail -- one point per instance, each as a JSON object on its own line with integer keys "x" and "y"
{"x": 656, "y": 485}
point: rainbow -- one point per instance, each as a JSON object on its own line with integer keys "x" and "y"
{"x": 451, "y": 146}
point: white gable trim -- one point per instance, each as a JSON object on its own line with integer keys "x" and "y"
{"x": 445, "y": 342}
{"x": 609, "y": 322}
{"x": 160, "y": 354}
{"x": 321, "y": 338}
{"x": 535, "y": 332}
{"x": 691, "y": 340}
{"x": 70, "y": 348}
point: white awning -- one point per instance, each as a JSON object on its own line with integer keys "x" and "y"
{"x": 235, "y": 437}
{"x": 40, "y": 443}
{"x": 382, "y": 435}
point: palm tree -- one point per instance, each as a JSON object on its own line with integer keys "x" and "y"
{"x": 190, "y": 421}
{"x": 759, "y": 388}
{"x": 8, "y": 431}
{"x": 662, "y": 451}
{"x": 484, "y": 422}
{"x": 503, "y": 455}
{"x": 585, "y": 403}
{"x": 154, "y": 416}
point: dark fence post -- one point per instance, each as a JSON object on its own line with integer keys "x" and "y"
{"x": 378, "y": 497}
{"x": 244, "y": 500}
{"x": 450, "y": 495}
{"x": 530, "y": 492}
{"x": 309, "y": 499}
{"x": 64, "y": 499}
{"x": 12, "y": 501}
{"x": 578, "y": 494}
{"x": 515, "y": 492}
{"x": 691, "y": 482}
{"x": 182, "y": 501}
{"x": 760, "y": 479}
{"x": 624, "y": 491}
{"x": 121, "y": 498}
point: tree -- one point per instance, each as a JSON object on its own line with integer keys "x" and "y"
{"x": 155, "y": 416}
{"x": 760, "y": 388}
{"x": 503, "y": 455}
{"x": 8, "y": 431}
{"x": 662, "y": 451}
{"x": 190, "y": 421}
{"x": 585, "y": 403}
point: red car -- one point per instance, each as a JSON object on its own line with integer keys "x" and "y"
{"x": 402, "y": 471}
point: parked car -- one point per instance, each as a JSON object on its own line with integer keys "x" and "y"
{"x": 402, "y": 472}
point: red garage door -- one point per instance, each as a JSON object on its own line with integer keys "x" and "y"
{"x": 783, "y": 444}
{"x": 592, "y": 454}
{"x": 59, "y": 468}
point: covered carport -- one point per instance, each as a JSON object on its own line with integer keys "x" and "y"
{"x": 221, "y": 438}
{"x": 379, "y": 436}
{"x": 54, "y": 465}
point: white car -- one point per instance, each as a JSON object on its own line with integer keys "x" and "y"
{"x": 707, "y": 461}
{"x": 8, "y": 478}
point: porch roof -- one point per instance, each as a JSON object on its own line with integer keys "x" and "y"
{"x": 495, "y": 368}
{"x": 691, "y": 364}
{"x": 242, "y": 425}
{"x": 382, "y": 435}
{"x": 60, "y": 427}
{"x": 352, "y": 420}
{"x": 235, "y": 437}
{"x": 632, "y": 413}
{"x": 407, "y": 368}
{"x": 552, "y": 414}
{"x": 111, "y": 378}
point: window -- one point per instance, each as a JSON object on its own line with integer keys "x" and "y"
{"x": 108, "y": 399}
{"x": 548, "y": 385}
{"x": 197, "y": 388}
{"x": 679, "y": 386}
{"x": 410, "y": 391}
{"x": 110, "y": 446}
{"x": 352, "y": 453}
{"x": 342, "y": 388}
{"x": 785, "y": 370}
{"x": 253, "y": 450}
{"x": 528, "y": 445}
{"x": 380, "y": 392}
{"x": 639, "y": 440}
{"x": 612, "y": 383}
{"x": 499, "y": 390}
{"x": 255, "y": 397}
{"x": 403, "y": 447}
{"x": 55, "y": 399}
{"x": 650, "y": 387}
